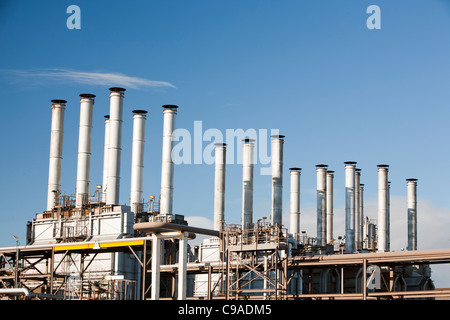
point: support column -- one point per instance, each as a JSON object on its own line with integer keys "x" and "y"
{"x": 156, "y": 262}
{"x": 182, "y": 264}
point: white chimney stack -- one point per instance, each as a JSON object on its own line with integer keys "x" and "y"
{"x": 167, "y": 167}
{"x": 137, "y": 160}
{"x": 350, "y": 206}
{"x": 105, "y": 159}
{"x": 411, "y": 185}
{"x": 382, "y": 207}
{"x": 56, "y": 148}
{"x": 114, "y": 145}
{"x": 330, "y": 182}
{"x": 358, "y": 232}
{"x": 84, "y": 149}
{"x": 247, "y": 182}
{"x": 361, "y": 210}
{"x": 219, "y": 185}
{"x": 321, "y": 170}
{"x": 277, "y": 179}
{"x": 294, "y": 223}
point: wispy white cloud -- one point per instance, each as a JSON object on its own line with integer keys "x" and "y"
{"x": 85, "y": 77}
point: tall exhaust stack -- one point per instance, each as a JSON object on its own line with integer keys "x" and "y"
{"x": 167, "y": 167}
{"x": 277, "y": 179}
{"x": 247, "y": 182}
{"x": 137, "y": 160}
{"x": 294, "y": 215}
{"x": 105, "y": 159}
{"x": 411, "y": 185}
{"x": 114, "y": 145}
{"x": 56, "y": 148}
{"x": 84, "y": 148}
{"x": 361, "y": 210}
{"x": 219, "y": 185}
{"x": 350, "y": 206}
{"x": 330, "y": 182}
{"x": 358, "y": 232}
{"x": 382, "y": 207}
{"x": 321, "y": 170}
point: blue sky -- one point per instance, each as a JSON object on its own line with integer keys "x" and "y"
{"x": 312, "y": 69}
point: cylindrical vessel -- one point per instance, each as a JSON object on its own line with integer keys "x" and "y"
{"x": 167, "y": 166}
{"x": 321, "y": 172}
{"x": 247, "y": 182}
{"x": 84, "y": 148}
{"x": 382, "y": 207}
{"x": 350, "y": 206}
{"x": 115, "y": 145}
{"x": 411, "y": 185}
{"x": 330, "y": 182}
{"x": 219, "y": 186}
{"x": 56, "y": 148}
{"x": 277, "y": 179}
{"x": 137, "y": 160}
{"x": 294, "y": 215}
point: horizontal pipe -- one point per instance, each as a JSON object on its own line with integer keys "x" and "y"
{"x": 158, "y": 226}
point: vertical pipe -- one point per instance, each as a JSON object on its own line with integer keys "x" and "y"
{"x": 219, "y": 186}
{"x": 182, "y": 267}
{"x": 321, "y": 170}
{"x": 294, "y": 215}
{"x": 361, "y": 210}
{"x": 277, "y": 179}
{"x": 56, "y": 148}
{"x": 329, "y": 187}
{"x": 388, "y": 218}
{"x": 411, "y": 185}
{"x": 115, "y": 145}
{"x": 382, "y": 207}
{"x": 247, "y": 182}
{"x": 156, "y": 262}
{"x": 105, "y": 159}
{"x": 167, "y": 166}
{"x": 84, "y": 148}
{"x": 350, "y": 206}
{"x": 137, "y": 160}
{"x": 357, "y": 210}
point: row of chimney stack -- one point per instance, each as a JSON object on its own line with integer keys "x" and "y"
{"x": 112, "y": 153}
{"x": 111, "y": 177}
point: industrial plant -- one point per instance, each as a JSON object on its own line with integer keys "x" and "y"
{"x": 87, "y": 246}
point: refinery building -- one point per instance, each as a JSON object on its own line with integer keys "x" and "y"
{"x": 88, "y": 246}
